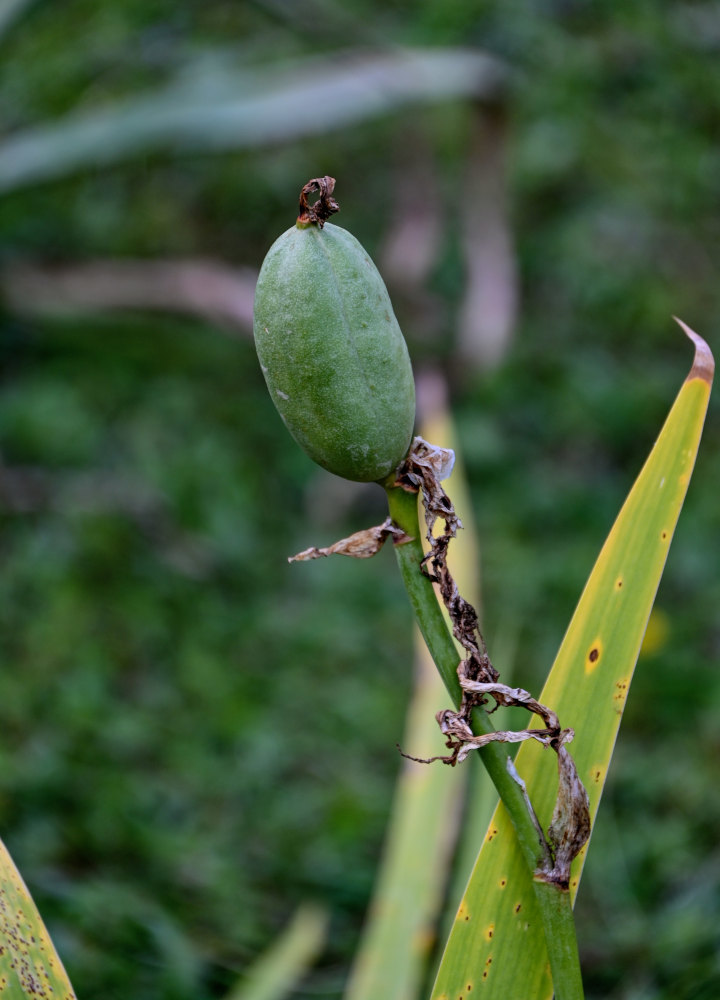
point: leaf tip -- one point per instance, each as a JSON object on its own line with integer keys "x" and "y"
{"x": 703, "y": 363}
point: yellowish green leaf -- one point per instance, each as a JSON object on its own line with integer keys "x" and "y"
{"x": 400, "y": 932}
{"x": 29, "y": 965}
{"x": 497, "y": 942}
{"x": 276, "y": 973}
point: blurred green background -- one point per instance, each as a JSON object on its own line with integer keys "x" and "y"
{"x": 195, "y": 736}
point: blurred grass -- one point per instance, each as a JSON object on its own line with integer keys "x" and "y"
{"x": 276, "y": 972}
{"x": 156, "y": 652}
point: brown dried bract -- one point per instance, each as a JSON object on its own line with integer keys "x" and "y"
{"x": 361, "y": 545}
{"x": 570, "y": 825}
{"x": 325, "y": 206}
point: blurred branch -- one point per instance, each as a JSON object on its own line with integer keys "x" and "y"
{"x": 207, "y": 289}
{"x": 481, "y": 213}
{"x": 222, "y": 295}
{"x": 489, "y": 308}
{"x": 274, "y": 106}
{"x": 413, "y": 237}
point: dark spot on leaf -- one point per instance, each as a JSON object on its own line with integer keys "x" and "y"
{"x": 593, "y": 655}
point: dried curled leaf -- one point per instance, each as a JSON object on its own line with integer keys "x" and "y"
{"x": 478, "y": 678}
{"x": 462, "y": 740}
{"x": 361, "y": 545}
{"x": 422, "y": 469}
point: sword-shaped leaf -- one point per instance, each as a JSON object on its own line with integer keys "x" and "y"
{"x": 29, "y": 965}
{"x": 497, "y": 940}
{"x": 275, "y": 975}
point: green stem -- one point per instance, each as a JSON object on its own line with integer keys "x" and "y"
{"x": 554, "y": 902}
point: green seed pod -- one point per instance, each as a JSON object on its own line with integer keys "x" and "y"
{"x": 330, "y": 348}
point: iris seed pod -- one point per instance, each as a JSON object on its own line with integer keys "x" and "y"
{"x": 330, "y": 348}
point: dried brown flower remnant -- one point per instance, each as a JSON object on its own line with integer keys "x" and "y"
{"x": 324, "y": 207}
{"x": 570, "y": 825}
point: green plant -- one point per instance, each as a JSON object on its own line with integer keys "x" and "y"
{"x": 505, "y": 903}
{"x": 607, "y": 628}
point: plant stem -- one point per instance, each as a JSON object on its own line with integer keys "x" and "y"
{"x": 554, "y": 902}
